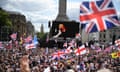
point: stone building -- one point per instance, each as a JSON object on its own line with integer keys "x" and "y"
{"x": 30, "y": 28}
{"x": 106, "y": 36}
{"x": 20, "y": 24}
{"x": 109, "y": 35}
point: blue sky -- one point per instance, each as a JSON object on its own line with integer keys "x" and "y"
{"x": 41, "y": 11}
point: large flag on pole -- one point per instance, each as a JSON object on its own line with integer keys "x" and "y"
{"x": 98, "y": 16}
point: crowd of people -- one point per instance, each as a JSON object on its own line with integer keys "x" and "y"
{"x": 40, "y": 60}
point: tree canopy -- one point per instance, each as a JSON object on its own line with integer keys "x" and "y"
{"x": 4, "y": 19}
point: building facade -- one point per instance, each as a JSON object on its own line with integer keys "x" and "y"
{"x": 109, "y": 35}
{"x": 18, "y": 22}
{"x": 20, "y": 25}
{"x": 30, "y": 28}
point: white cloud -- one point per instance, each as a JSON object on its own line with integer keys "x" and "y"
{"x": 31, "y": 5}
{"x": 118, "y": 0}
{"x": 73, "y": 5}
{"x": 73, "y": 10}
{"x": 118, "y": 13}
{"x": 41, "y": 11}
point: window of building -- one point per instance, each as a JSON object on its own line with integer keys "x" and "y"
{"x": 104, "y": 35}
{"x": 104, "y": 31}
{"x": 103, "y": 40}
{"x": 110, "y": 36}
{"x": 100, "y": 35}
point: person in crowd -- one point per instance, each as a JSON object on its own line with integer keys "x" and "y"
{"x": 20, "y": 60}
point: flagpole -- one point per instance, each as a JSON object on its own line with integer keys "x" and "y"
{"x": 80, "y": 31}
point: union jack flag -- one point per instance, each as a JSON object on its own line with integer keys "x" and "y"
{"x": 58, "y": 55}
{"x": 28, "y": 39}
{"x": 98, "y": 16}
{"x": 30, "y": 46}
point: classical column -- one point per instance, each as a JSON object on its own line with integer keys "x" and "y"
{"x": 62, "y": 11}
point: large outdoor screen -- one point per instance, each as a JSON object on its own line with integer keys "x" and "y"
{"x": 68, "y": 29}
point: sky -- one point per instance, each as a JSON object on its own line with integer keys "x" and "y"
{"x": 41, "y": 11}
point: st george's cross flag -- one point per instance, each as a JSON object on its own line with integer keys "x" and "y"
{"x": 98, "y": 16}
{"x": 81, "y": 50}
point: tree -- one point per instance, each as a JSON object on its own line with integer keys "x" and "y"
{"x": 5, "y": 25}
{"x": 40, "y": 35}
{"x": 4, "y": 19}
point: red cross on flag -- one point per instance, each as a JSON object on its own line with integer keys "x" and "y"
{"x": 117, "y": 42}
{"x": 30, "y": 46}
{"x": 58, "y": 55}
{"x": 98, "y": 15}
{"x": 81, "y": 50}
{"x": 68, "y": 50}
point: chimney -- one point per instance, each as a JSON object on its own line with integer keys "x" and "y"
{"x": 62, "y": 11}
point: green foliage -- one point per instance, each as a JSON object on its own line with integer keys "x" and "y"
{"x": 4, "y": 19}
{"x": 40, "y": 35}
{"x": 5, "y": 25}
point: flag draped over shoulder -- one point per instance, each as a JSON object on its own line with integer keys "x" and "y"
{"x": 98, "y": 16}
